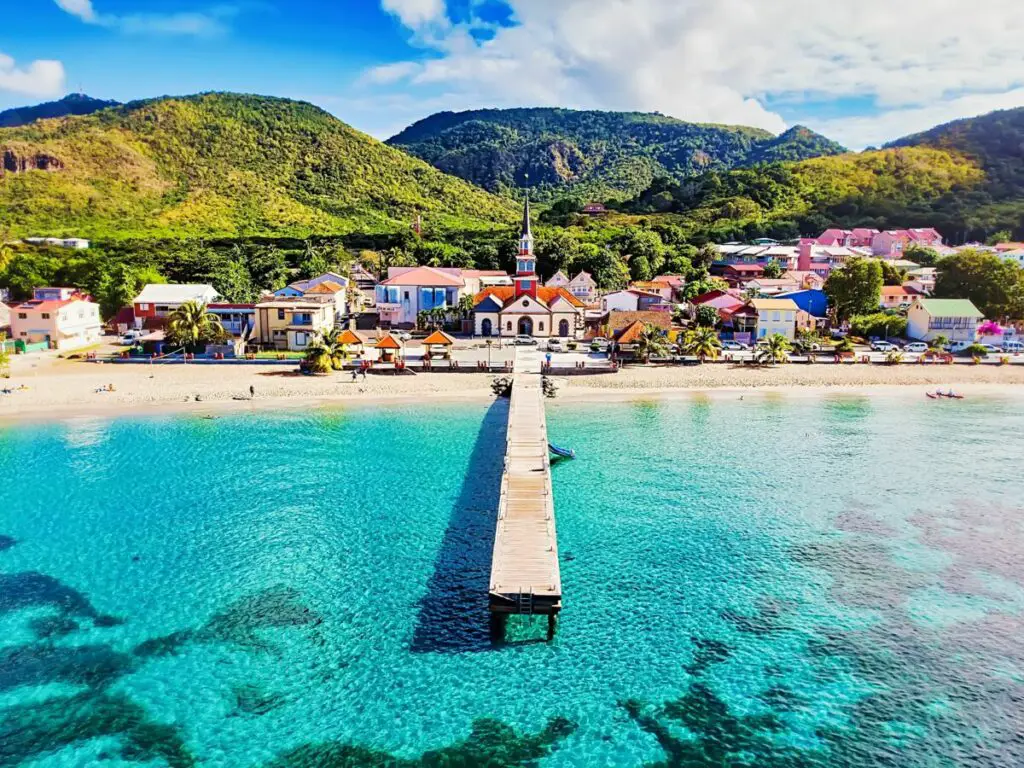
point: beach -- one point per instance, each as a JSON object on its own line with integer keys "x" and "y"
{"x": 49, "y": 387}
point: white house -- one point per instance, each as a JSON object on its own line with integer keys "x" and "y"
{"x": 583, "y": 287}
{"x": 558, "y": 280}
{"x": 329, "y": 283}
{"x": 956, "y": 319}
{"x": 62, "y": 317}
{"x": 409, "y": 291}
{"x": 775, "y": 316}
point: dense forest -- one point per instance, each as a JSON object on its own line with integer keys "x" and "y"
{"x": 599, "y": 155}
{"x": 72, "y": 104}
{"x": 221, "y": 165}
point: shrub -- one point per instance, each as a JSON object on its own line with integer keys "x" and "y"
{"x": 878, "y": 324}
{"x": 976, "y": 350}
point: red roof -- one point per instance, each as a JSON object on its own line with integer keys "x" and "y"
{"x": 630, "y": 333}
{"x": 231, "y": 306}
{"x": 389, "y": 342}
{"x": 674, "y": 280}
{"x": 507, "y": 294}
{"x": 439, "y": 338}
{"x": 349, "y": 337}
{"x": 426, "y": 276}
{"x": 47, "y": 306}
{"x": 745, "y": 267}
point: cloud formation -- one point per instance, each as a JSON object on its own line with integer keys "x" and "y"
{"x": 732, "y": 61}
{"x": 209, "y": 23}
{"x": 40, "y": 78}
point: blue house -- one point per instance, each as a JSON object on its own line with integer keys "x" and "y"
{"x": 813, "y": 302}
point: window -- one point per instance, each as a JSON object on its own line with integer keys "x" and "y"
{"x": 46, "y": 315}
{"x": 301, "y": 339}
{"x": 280, "y": 314}
{"x": 526, "y": 302}
{"x": 776, "y": 316}
{"x": 143, "y": 307}
{"x": 508, "y": 326}
{"x": 406, "y": 295}
{"x": 540, "y": 325}
{"x": 22, "y": 316}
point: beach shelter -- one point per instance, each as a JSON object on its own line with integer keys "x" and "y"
{"x": 439, "y": 342}
{"x": 389, "y": 348}
{"x": 350, "y": 340}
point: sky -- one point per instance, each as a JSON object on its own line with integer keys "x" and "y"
{"x": 862, "y": 72}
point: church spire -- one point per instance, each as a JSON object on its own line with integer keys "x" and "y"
{"x": 526, "y": 217}
{"x": 526, "y": 264}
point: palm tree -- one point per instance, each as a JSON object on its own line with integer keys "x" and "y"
{"x": 702, "y": 342}
{"x": 191, "y": 325}
{"x": 466, "y": 306}
{"x": 650, "y": 342}
{"x": 321, "y": 353}
{"x": 939, "y": 343}
{"x": 773, "y": 350}
{"x": 894, "y": 357}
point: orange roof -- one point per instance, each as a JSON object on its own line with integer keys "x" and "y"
{"x": 327, "y": 286}
{"x": 439, "y": 337}
{"x": 349, "y": 337}
{"x": 506, "y": 294}
{"x": 631, "y": 333}
{"x": 425, "y": 276}
{"x": 389, "y": 342}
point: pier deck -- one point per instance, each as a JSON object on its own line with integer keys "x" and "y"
{"x": 525, "y": 577}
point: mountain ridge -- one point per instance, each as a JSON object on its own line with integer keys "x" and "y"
{"x": 72, "y": 104}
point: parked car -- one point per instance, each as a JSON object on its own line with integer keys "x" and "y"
{"x": 958, "y": 346}
{"x": 131, "y": 338}
{"x": 990, "y": 349}
{"x": 1013, "y": 347}
{"x": 401, "y": 335}
{"x": 600, "y": 344}
{"x": 734, "y": 346}
{"x": 556, "y": 345}
{"x": 523, "y": 340}
{"x": 916, "y": 347}
{"x": 883, "y": 346}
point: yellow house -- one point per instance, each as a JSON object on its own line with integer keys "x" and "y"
{"x": 775, "y": 316}
{"x": 290, "y": 323}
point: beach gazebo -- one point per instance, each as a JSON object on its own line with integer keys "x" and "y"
{"x": 439, "y": 342}
{"x": 389, "y": 348}
{"x": 350, "y": 339}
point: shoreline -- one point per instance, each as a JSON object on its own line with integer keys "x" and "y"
{"x": 61, "y": 390}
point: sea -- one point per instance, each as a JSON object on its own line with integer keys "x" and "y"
{"x": 762, "y": 581}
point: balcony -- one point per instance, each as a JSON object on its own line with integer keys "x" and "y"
{"x": 387, "y": 306}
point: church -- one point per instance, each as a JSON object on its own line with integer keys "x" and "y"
{"x": 527, "y": 308}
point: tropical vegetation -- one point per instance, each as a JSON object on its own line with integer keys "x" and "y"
{"x": 323, "y": 353}
{"x": 772, "y": 350}
{"x": 652, "y": 342}
{"x": 703, "y": 343}
{"x": 192, "y": 325}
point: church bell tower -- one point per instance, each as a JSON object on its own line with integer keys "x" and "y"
{"x": 526, "y": 264}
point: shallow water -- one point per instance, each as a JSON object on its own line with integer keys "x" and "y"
{"x": 771, "y": 582}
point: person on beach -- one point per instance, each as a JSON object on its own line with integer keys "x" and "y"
{"x": 252, "y": 392}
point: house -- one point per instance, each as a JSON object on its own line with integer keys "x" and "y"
{"x": 5, "y": 319}
{"x": 775, "y": 316}
{"x": 583, "y": 287}
{"x": 235, "y": 319}
{"x": 740, "y": 274}
{"x": 558, "y": 280}
{"x": 897, "y": 297}
{"x": 651, "y": 286}
{"x": 411, "y": 290}
{"x": 806, "y": 280}
{"x": 527, "y": 308}
{"x": 892, "y": 243}
{"x": 291, "y": 322}
{"x": 594, "y": 209}
{"x": 328, "y": 284}
{"x": 676, "y": 282}
{"x": 365, "y": 282}
{"x": 812, "y": 301}
{"x": 614, "y": 322}
{"x": 850, "y": 238}
{"x": 475, "y": 280}
{"x": 921, "y": 279}
{"x": 956, "y": 319}
{"x": 631, "y": 300}
{"x": 1016, "y": 255}
{"x": 772, "y": 286}
{"x": 74, "y": 243}
{"x": 63, "y": 318}
{"x": 157, "y": 301}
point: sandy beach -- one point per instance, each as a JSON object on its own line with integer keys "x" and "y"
{"x": 47, "y": 387}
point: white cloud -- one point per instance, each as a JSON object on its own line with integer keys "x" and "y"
{"x": 40, "y": 78}
{"x": 416, "y": 13}
{"x": 723, "y": 60}
{"x": 208, "y": 23}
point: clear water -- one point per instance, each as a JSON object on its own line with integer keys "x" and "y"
{"x": 831, "y": 581}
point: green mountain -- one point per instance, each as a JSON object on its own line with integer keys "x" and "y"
{"x": 72, "y": 104}
{"x": 225, "y": 165}
{"x": 592, "y": 154}
{"x": 994, "y": 141}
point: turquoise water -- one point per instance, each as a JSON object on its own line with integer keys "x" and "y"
{"x": 828, "y": 581}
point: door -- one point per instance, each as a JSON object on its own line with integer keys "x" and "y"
{"x": 485, "y": 327}
{"x": 525, "y": 326}
{"x": 563, "y": 328}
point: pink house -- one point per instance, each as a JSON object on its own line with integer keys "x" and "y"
{"x": 859, "y": 237}
{"x": 893, "y": 242}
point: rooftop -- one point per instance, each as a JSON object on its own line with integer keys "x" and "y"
{"x": 175, "y": 293}
{"x": 772, "y": 304}
{"x": 950, "y": 308}
{"x": 425, "y": 276}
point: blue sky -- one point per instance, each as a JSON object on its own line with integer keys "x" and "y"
{"x": 381, "y": 64}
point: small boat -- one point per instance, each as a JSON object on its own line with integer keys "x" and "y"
{"x": 565, "y": 453}
{"x": 932, "y": 395}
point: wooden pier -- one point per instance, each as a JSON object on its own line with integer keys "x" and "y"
{"x": 525, "y": 578}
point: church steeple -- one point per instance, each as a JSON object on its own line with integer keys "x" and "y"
{"x": 526, "y": 264}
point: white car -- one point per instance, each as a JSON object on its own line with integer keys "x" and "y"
{"x": 1014, "y": 347}
{"x": 990, "y": 349}
{"x": 401, "y": 335}
{"x": 883, "y": 346}
{"x": 523, "y": 339}
{"x": 600, "y": 344}
{"x": 958, "y": 346}
{"x": 131, "y": 338}
{"x": 734, "y": 346}
{"x": 556, "y": 345}
{"x": 916, "y": 347}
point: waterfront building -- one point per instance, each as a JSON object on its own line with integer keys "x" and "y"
{"x": 527, "y": 308}
{"x": 897, "y": 297}
{"x": 157, "y": 300}
{"x": 956, "y": 319}
{"x": 60, "y": 318}
{"x": 775, "y": 316}
{"x": 289, "y": 323}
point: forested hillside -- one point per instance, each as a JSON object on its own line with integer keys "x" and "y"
{"x": 599, "y": 155}
{"x": 72, "y": 104}
{"x": 221, "y": 165}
